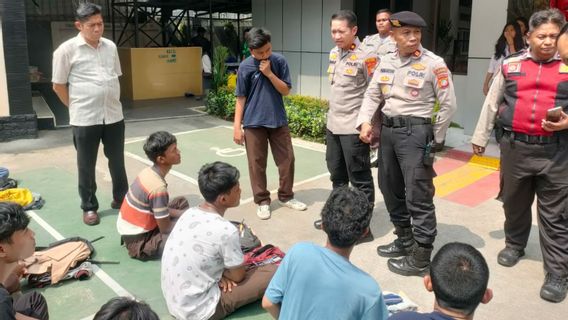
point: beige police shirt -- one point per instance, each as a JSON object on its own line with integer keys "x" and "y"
{"x": 349, "y": 73}
{"x": 410, "y": 86}
{"x": 488, "y": 114}
{"x": 379, "y": 45}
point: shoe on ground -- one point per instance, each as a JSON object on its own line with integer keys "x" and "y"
{"x": 554, "y": 288}
{"x": 263, "y": 211}
{"x": 91, "y": 218}
{"x": 509, "y": 257}
{"x": 115, "y": 204}
{"x": 317, "y": 224}
{"x": 294, "y": 204}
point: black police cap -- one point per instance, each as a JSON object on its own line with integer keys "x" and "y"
{"x": 407, "y": 18}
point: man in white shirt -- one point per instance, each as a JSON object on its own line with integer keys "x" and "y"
{"x": 85, "y": 78}
{"x": 203, "y": 276}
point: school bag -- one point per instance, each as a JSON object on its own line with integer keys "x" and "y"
{"x": 248, "y": 239}
{"x": 65, "y": 259}
{"x": 267, "y": 254}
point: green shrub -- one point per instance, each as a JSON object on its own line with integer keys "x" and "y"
{"x": 221, "y": 103}
{"x": 306, "y": 115}
{"x": 219, "y": 69}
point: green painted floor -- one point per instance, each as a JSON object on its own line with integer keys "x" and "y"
{"x": 79, "y": 299}
{"x": 216, "y": 144}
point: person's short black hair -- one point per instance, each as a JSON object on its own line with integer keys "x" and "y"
{"x": 157, "y": 143}
{"x": 125, "y": 308}
{"x": 217, "y": 178}
{"x": 201, "y": 30}
{"x": 86, "y": 10}
{"x": 459, "y": 276}
{"x": 345, "y": 216}
{"x": 258, "y": 37}
{"x": 12, "y": 219}
{"x": 546, "y": 16}
{"x": 346, "y": 15}
{"x": 383, "y": 11}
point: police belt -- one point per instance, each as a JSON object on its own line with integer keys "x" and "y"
{"x": 404, "y": 121}
{"x": 530, "y": 139}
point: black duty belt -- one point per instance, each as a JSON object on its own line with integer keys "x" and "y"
{"x": 531, "y": 139}
{"x": 404, "y": 121}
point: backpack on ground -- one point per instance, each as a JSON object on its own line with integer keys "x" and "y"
{"x": 249, "y": 240}
{"x": 264, "y": 255}
{"x": 65, "y": 259}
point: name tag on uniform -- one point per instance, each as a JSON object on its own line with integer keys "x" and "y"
{"x": 413, "y": 82}
{"x": 386, "y": 78}
{"x": 350, "y": 72}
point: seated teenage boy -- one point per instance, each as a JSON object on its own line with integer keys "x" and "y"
{"x": 17, "y": 243}
{"x": 202, "y": 272}
{"x": 315, "y": 282}
{"x": 147, "y": 216}
{"x": 458, "y": 276}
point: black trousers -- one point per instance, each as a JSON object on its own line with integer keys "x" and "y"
{"x": 405, "y": 182}
{"x": 32, "y": 304}
{"x": 541, "y": 170}
{"x": 348, "y": 160}
{"x": 86, "y": 140}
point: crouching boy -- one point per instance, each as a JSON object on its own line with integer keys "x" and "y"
{"x": 17, "y": 242}
{"x": 147, "y": 216}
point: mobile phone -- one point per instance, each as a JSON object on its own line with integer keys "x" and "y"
{"x": 553, "y": 114}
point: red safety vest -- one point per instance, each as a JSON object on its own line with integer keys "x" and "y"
{"x": 531, "y": 88}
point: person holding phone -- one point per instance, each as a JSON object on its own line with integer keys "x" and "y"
{"x": 534, "y": 149}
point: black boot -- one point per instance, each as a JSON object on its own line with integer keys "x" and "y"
{"x": 400, "y": 247}
{"x": 416, "y": 264}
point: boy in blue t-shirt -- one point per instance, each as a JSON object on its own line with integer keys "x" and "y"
{"x": 262, "y": 80}
{"x": 315, "y": 282}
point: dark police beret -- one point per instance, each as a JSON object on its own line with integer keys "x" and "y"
{"x": 407, "y": 18}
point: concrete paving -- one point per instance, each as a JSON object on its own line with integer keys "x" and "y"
{"x": 516, "y": 290}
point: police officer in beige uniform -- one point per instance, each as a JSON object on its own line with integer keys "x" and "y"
{"x": 350, "y": 71}
{"x": 409, "y": 81}
{"x": 381, "y": 42}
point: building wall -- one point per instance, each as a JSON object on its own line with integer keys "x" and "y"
{"x": 4, "y": 109}
{"x": 300, "y": 31}
{"x": 487, "y": 20}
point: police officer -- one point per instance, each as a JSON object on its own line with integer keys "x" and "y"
{"x": 534, "y": 148}
{"x": 350, "y": 70}
{"x": 381, "y": 42}
{"x": 408, "y": 81}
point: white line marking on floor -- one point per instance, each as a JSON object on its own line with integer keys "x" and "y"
{"x": 133, "y": 140}
{"x": 172, "y": 172}
{"x": 110, "y": 282}
{"x": 247, "y": 200}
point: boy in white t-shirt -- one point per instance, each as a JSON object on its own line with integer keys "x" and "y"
{"x": 202, "y": 272}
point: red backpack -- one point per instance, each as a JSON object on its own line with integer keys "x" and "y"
{"x": 262, "y": 256}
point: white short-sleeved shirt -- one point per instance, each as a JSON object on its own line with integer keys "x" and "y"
{"x": 495, "y": 64}
{"x": 92, "y": 74}
{"x": 200, "y": 247}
